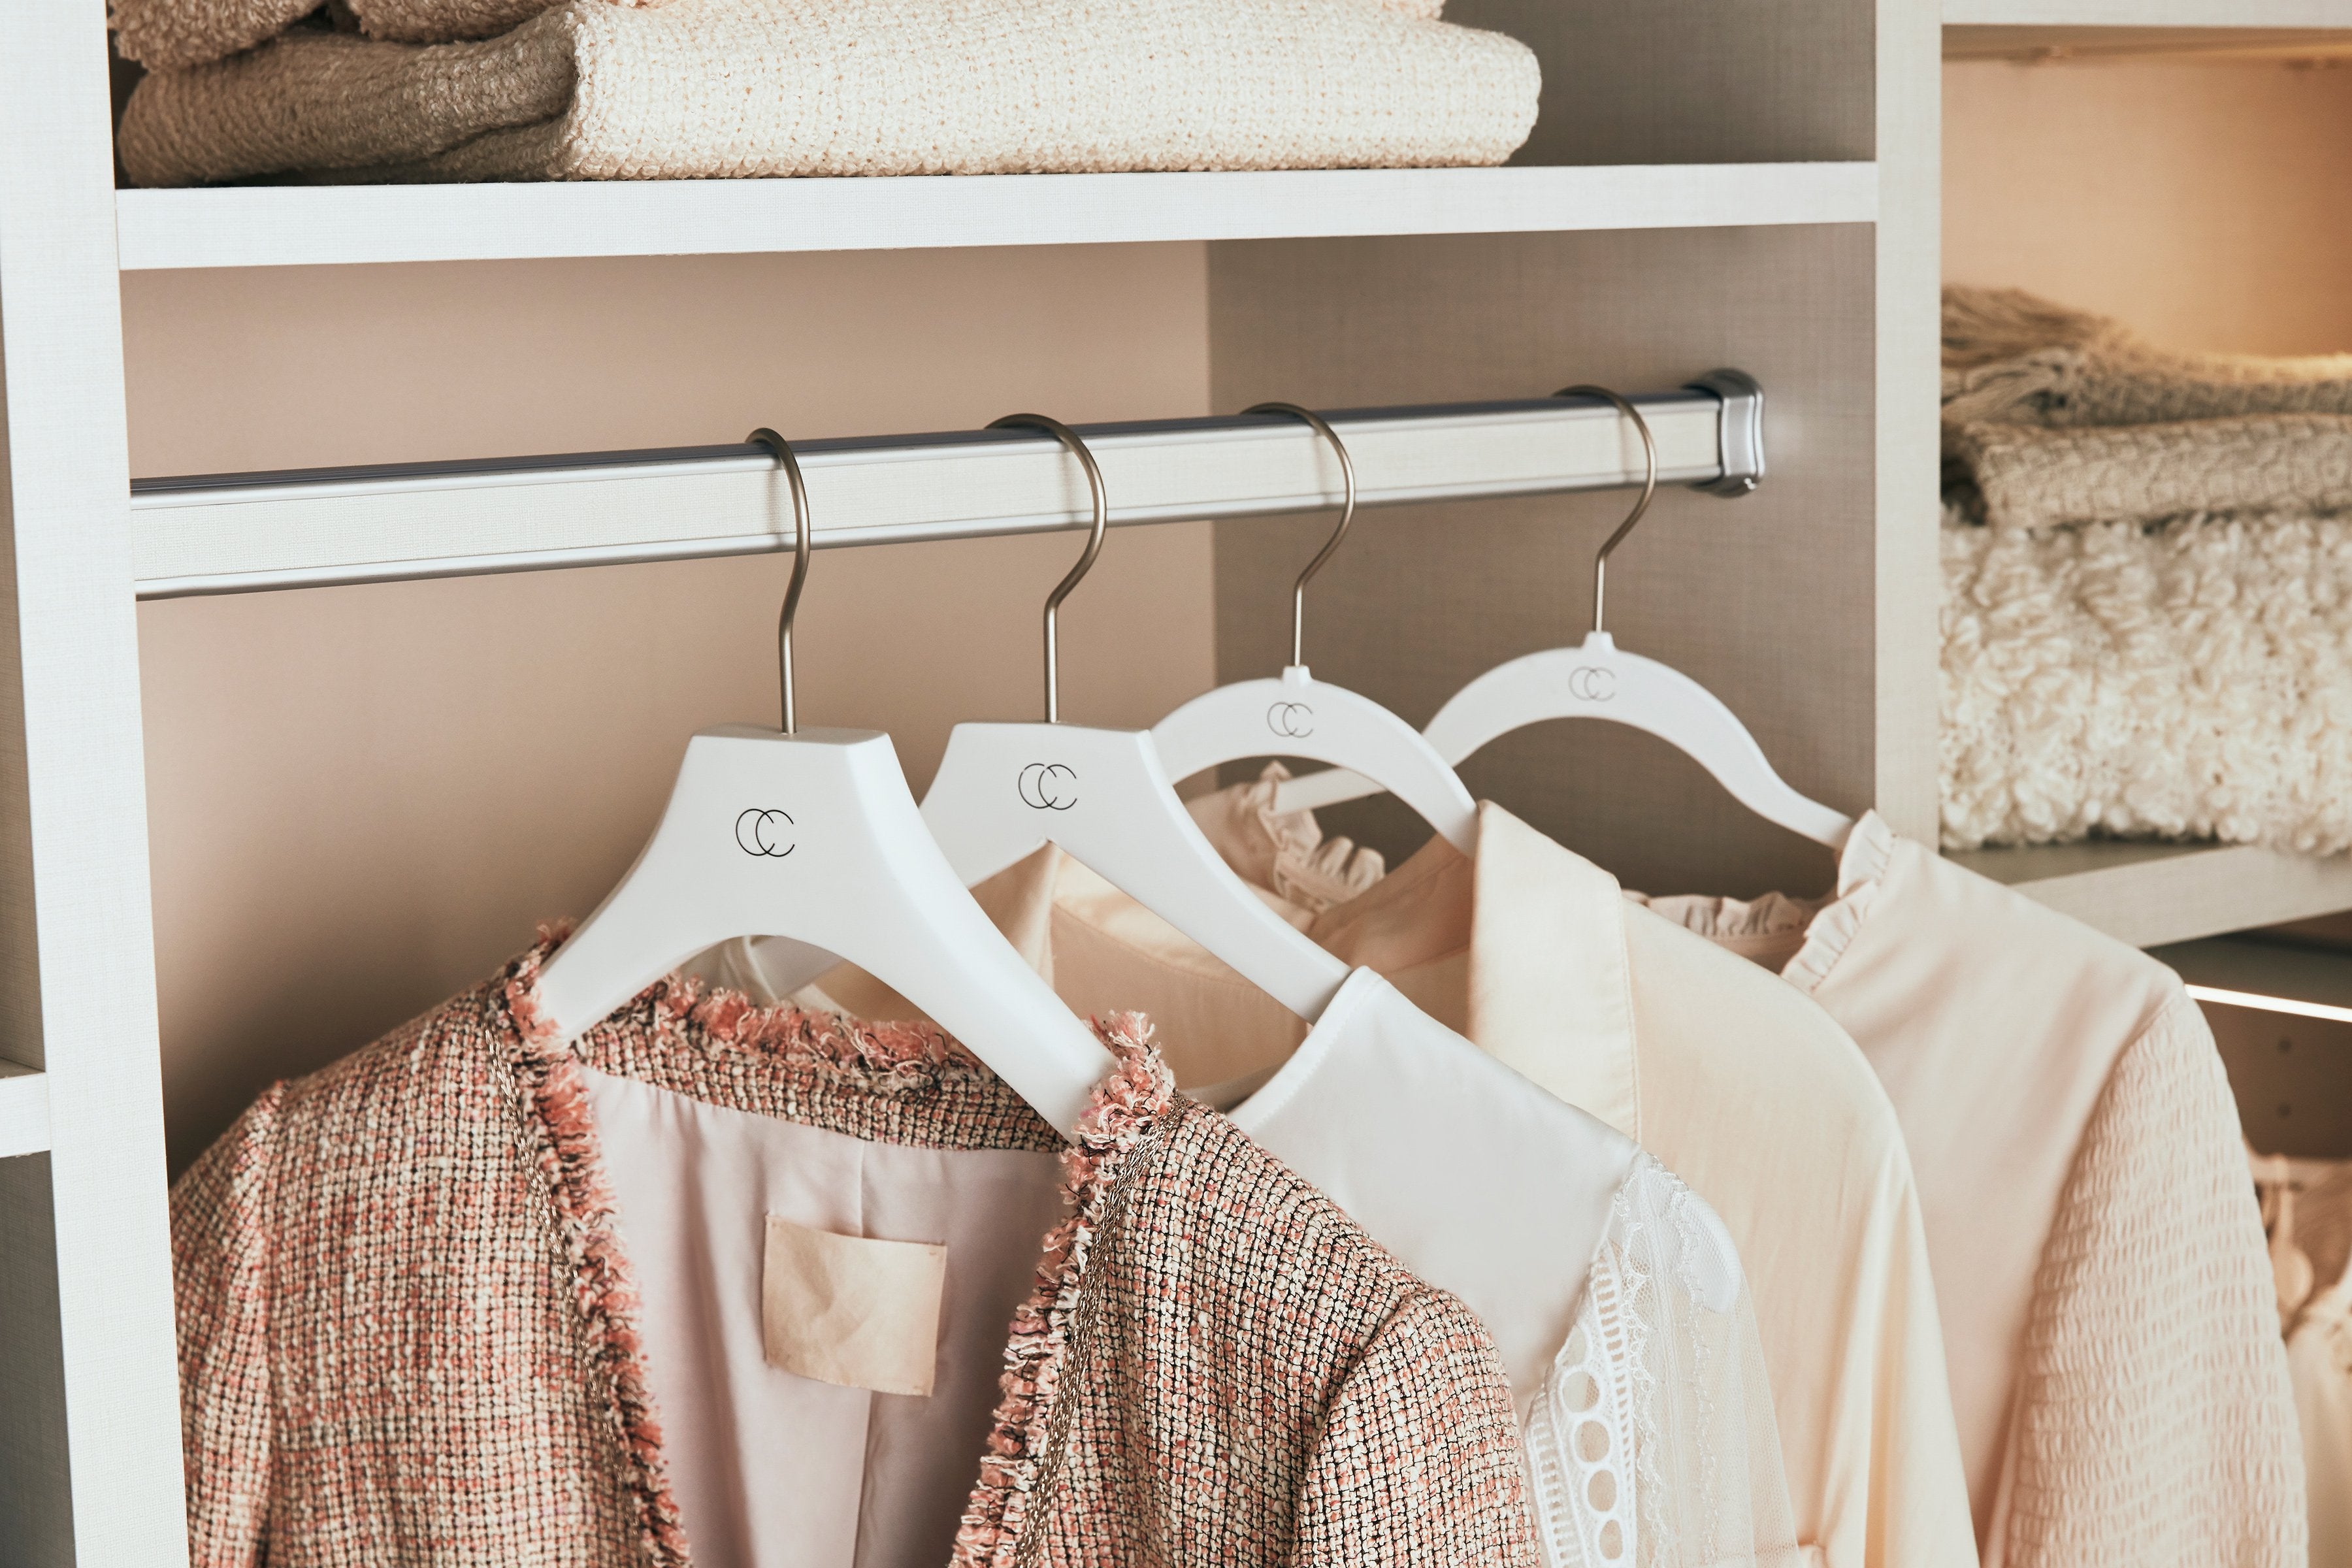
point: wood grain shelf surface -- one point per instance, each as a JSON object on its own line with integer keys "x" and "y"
{"x": 281, "y": 226}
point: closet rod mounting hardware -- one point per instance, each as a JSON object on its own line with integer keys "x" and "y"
{"x": 219, "y": 533}
{"x": 1739, "y": 430}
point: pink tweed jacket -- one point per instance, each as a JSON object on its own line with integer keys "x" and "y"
{"x": 408, "y": 1334}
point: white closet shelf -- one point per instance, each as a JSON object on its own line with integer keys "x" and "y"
{"x": 2201, "y": 30}
{"x": 2240, "y": 15}
{"x": 2148, "y": 894}
{"x": 312, "y": 226}
{"x": 23, "y": 1111}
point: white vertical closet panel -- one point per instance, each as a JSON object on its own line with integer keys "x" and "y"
{"x": 87, "y": 1384}
{"x": 1909, "y": 581}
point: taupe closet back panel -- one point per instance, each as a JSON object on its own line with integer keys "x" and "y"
{"x": 1692, "y": 81}
{"x": 1764, "y": 599}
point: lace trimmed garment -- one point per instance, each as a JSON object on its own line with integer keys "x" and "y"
{"x": 1614, "y": 1295}
{"x": 1743, "y": 1087}
{"x": 2107, "y": 1302}
{"x": 411, "y": 1330}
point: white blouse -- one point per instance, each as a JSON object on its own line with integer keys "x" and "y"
{"x": 1613, "y": 1293}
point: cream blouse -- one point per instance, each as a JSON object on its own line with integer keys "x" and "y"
{"x": 1741, "y": 1088}
{"x": 2111, "y": 1330}
{"x": 1613, "y": 1293}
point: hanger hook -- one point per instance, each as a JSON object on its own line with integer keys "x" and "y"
{"x": 1649, "y": 489}
{"x": 764, "y": 436}
{"x": 1331, "y": 545}
{"x": 1077, "y": 448}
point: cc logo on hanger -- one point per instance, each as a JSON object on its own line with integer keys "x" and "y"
{"x": 1591, "y": 683}
{"x": 1291, "y": 720}
{"x": 765, "y": 832}
{"x": 1048, "y": 786}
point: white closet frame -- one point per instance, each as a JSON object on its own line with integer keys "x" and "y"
{"x": 1812, "y": 121}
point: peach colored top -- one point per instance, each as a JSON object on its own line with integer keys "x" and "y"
{"x": 2116, "y": 1367}
{"x": 1741, "y": 1087}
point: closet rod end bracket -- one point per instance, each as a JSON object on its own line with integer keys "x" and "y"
{"x": 1740, "y": 431}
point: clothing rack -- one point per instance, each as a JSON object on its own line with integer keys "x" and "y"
{"x": 219, "y": 533}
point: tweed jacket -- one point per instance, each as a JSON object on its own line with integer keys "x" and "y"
{"x": 409, "y": 1332}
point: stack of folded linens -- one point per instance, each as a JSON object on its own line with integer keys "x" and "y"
{"x": 2147, "y": 559}
{"x": 513, "y": 89}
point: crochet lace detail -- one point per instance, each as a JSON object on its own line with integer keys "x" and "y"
{"x": 1652, "y": 1444}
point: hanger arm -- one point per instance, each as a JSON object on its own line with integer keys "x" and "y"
{"x": 1599, "y": 680}
{"x": 815, "y": 838}
{"x": 1004, "y": 790}
{"x": 1302, "y": 717}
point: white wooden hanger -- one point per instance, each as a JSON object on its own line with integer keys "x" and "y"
{"x": 1004, "y": 790}
{"x": 1598, "y": 680}
{"x": 1299, "y": 716}
{"x": 812, "y": 835}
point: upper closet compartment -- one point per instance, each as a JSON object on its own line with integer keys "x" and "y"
{"x": 2147, "y": 449}
{"x": 1250, "y": 114}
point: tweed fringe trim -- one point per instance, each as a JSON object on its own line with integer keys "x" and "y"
{"x": 570, "y": 1158}
{"x": 1127, "y": 1107}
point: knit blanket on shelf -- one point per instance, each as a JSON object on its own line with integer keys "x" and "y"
{"x": 2188, "y": 680}
{"x": 2011, "y": 357}
{"x": 2030, "y": 476}
{"x": 172, "y": 35}
{"x": 728, "y": 89}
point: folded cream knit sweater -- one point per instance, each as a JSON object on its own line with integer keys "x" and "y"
{"x": 722, "y": 89}
{"x": 2191, "y": 681}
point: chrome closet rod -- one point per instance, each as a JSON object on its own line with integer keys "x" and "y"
{"x": 215, "y": 533}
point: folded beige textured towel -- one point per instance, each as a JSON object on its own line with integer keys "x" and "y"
{"x": 2009, "y": 356}
{"x": 724, "y": 88}
{"x": 2030, "y": 476}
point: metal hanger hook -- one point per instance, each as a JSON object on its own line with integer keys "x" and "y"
{"x": 1649, "y": 489}
{"x": 1331, "y": 545}
{"x": 764, "y": 436}
{"x": 1077, "y": 448}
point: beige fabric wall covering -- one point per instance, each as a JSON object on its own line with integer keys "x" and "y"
{"x": 726, "y": 89}
{"x": 2029, "y": 477}
{"x": 2191, "y": 681}
{"x": 2175, "y": 192}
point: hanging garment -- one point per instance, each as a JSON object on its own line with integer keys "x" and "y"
{"x": 2306, "y": 1208}
{"x": 1736, "y": 1084}
{"x": 414, "y": 1325}
{"x": 2107, "y": 1301}
{"x": 760, "y": 88}
{"x": 1615, "y": 1296}
{"x": 2319, "y": 1362}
